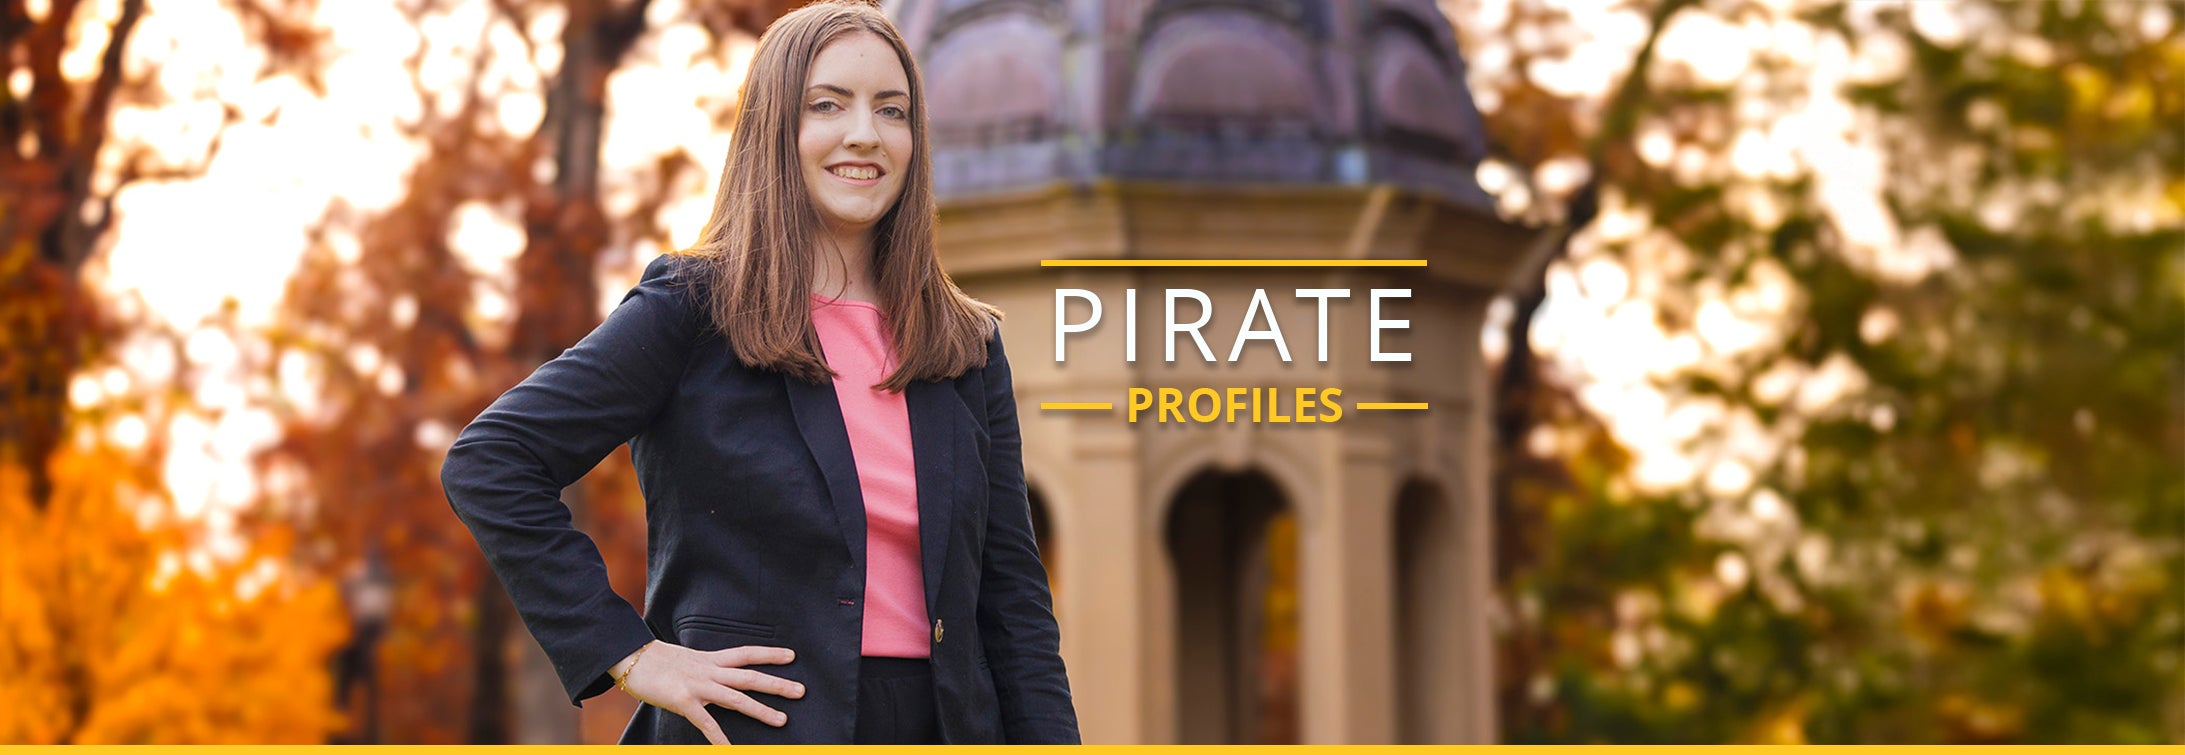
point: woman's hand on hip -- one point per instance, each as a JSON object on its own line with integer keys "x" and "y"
{"x": 683, "y": 681}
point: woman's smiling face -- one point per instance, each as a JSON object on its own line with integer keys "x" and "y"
{"x": 854, "y": 131}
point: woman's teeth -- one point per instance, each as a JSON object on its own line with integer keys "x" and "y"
{"x": 856, "y": 173}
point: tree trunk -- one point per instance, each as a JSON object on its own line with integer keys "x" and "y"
{"x": 565, "y": 231}
{"x": 49, "y": 224}
{"x": 489, "y": 691}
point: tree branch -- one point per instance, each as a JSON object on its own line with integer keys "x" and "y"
{"x": 78, "y": 234}
{"x": 1518, "y": 380}
{"x": 101, "y": 102}
{"x": 1620, "y": 116}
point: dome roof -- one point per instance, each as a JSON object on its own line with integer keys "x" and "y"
{"x": 1030, "y": 92}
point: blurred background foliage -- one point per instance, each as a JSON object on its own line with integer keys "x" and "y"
{"x": 1852, "y": 409}
{"x": 113, "y": 639}
{"x": 1918, "y": 273}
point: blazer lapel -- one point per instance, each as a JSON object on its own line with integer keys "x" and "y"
{"x": 933, "y": 436}
{"x": 819, "y": 420}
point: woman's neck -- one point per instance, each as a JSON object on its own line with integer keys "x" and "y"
{"x": 843, "y": 268}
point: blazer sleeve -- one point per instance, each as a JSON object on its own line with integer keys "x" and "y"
{"x": 1016, "y": 612}
{"x": 505, "y": 473}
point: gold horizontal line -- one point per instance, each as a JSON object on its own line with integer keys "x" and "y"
{"x": 1232, "y": 263}
{"x": 1370, "y": 405}
{"x": 1077, "y": 405}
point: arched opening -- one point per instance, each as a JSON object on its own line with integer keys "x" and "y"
{"x": 1426, "y": 580}
{"x": 1232, "y": 539}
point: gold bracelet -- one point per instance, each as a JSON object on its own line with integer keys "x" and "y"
{"x": 623, "y": 680}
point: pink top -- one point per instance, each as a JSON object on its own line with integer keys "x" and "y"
{"x": 855, "y": 336}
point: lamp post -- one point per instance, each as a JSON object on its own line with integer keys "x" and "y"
{"x": 369, "y": 593}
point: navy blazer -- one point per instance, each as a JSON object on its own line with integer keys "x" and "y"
{"x": 756, "y": 525}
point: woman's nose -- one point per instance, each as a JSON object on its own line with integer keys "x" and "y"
{"x": 862, "y": 135}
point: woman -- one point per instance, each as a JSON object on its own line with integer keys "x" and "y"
{"x": 824, "y": 431}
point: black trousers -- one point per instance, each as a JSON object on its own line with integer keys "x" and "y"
{"x": 895, "y": 702}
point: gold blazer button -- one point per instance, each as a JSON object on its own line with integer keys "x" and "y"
{"x": 936, "y": 630}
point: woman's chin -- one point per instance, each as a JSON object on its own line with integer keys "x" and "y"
{"x": 853, "y": 218}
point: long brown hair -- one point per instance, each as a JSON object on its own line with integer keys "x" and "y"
{"x": 760, "y": 237}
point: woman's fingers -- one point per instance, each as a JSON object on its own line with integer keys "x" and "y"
{"x": 730, "y": 698}
{"x": 754, "y": 655}
{"x": 755, "y": 681}
{"x": 686, "y": 688}
{"x": 696, "y": 712}
{"x": 733, "y": 660}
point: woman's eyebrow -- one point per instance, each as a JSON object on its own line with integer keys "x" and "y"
{"x": 846, "y": 93}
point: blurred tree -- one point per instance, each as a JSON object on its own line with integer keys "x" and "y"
{"x": 1916, "y": 275}
{"x": 51, "y": 133}
{"x": 60, "y": 169}
{"x": 118, "y": 623}
{"x": 409, "y": 336}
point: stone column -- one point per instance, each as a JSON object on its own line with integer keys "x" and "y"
{"x": 1100, "y": 572}
{"x": 1472, "y": 504}
{"x": 1345, "y": 588}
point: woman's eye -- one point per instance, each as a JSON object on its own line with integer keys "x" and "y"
{"x": 893, "y": 111}
{"x": 825, "y": 106}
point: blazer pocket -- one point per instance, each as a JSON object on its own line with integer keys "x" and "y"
{"x": 718, "y": 632}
